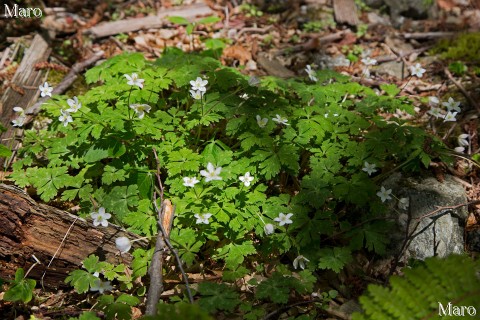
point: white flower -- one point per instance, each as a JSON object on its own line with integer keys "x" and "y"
{"x": 369, "y": 61}
{"x": 384, "y": 194}
{"x": 101, "y": 286}
{"x": 20, "y": 111}
{"x": 74, "y": 105}
{"x": 452, "y": 105}
{"x": 300, "y": 262}
{"x": 326, "y": 115}
{"x": 253, "y": 81}
{"x": 101, "y": 217}
{"x": 197, "y": 95}
{"x": 96, "y": 274}
{"x": 433, "y": 101}
{"x": 417, "y": 70}
{"x": 436, "y": 112}
{"x": 450, "y": 117}
{"x": 65, "y": 117}
{"x": 403, "y": 203}
{"x": 140, "y": 109}
{"x": 311, "y": 73}
{"x": 203, "y": 218}
{"x": 463, "y": 140}
{"x": 123, "y": 244}
{"x": 199, "y": 84}
{"x": 190, "y": 182}
{"x": 278, "y": 119}
{"x": 211, "y": 173}
{"x": 261, "y": 122}
{"x": 284, "y": 218}
{"x": 134, "y": 80}
{"x": 246, "y": 179}
{"x": 18, "y": 122}
{"x": 369, "y": 168}
{"x": 45, "y": 90}
{"x": 244, "y": 96}
{"x": 269, "y": 229}
{"x": 459, "y": 149}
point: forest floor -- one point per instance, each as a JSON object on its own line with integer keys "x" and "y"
{"x": 282, "y": 40}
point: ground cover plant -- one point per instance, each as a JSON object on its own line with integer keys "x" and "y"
{"x": 279, "y": 178}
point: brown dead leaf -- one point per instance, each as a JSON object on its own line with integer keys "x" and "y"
{"x": 237, "y": 52}
{"x": 471, "y": 222}
{"x": 17, "y": 88}
{"x": 348, "y": 39}
{"x": 446, "y": 5}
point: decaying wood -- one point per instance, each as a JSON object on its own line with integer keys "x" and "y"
{"x": 346, "y": 12}
{"x": 25, "y": 78}
{"x": 150, "y": 22}
{"x": 29, "y": 228}
{"x": 64, "y": 84}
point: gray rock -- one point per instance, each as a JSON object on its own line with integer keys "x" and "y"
{"x": 440, "y": 234}
{"x": 325, "y": 61}
{"x": 391, "y": 68}
{"x": 399, "y": 9}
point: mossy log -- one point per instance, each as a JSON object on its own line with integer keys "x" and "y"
{"x": 29, "y": 228}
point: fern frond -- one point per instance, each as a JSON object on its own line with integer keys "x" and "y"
{"x": 418, "y": 293}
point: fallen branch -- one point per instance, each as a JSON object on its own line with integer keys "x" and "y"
{"x": 428, "y": 35}
{"x": 462, "y": 89}
{"x": 64, "y": 84}
{"x": 150, "y": 22}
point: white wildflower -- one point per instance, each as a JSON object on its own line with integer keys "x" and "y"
{"x": 211, "y": 173}
{"x": 283, "y": 219}
{"x": 134, "y": 80}
{"x": 203, "y": 218}
{"x": 246, "y": 179}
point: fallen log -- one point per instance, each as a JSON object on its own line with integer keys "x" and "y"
{"x": 26, "y": 81}
{"x": 150, "y": 22}
{"x": 29, "y": 228}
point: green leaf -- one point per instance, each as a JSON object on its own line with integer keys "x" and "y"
{"x": 276, "y": 288}
{"x": 20, "y": 291}
{"x": 217, "y": 297}
{"x": 48, "y": 181}
{"x": 178, "y": 20}
{"x": 181, "y": 310}
{"x": 391, "y": 89}
{"x": 334, "y": 259}
{"x": 4, "y": 151}
{"x": 209, "y": 20}
{"x": 128, "y": 299}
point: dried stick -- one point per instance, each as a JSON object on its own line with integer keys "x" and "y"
{"x": 58, "y": 249}
{"x": 155, "y": 271}
{"x": 165, "y": 233}
{"x": 65, "y": 84}
{"x": 462, "y": 89}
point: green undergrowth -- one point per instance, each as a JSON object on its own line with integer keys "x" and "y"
{"x": 437, "y": 289}
{"x": 310, "y": 206}
{"x": 464, "y": 47}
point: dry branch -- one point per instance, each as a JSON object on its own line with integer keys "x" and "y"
{"x": 29, "y": 228}
{"x": 149, "y": 22}
{"x": 65, "y": 83}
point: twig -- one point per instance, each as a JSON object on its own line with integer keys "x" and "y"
{"x": 165, "y": 233}
{"x": 253, "y": 29}
{"x": 281, "y": 310}
{"x": 177, "y": 258}
{"x": 155, "y": 288}
{"x": 428, "y": 35}
{"x": 462, "y": 89}
{"x": 65, "y": 84}
{"x": 439, "y": 208}
{"x": 58, "y": 249}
